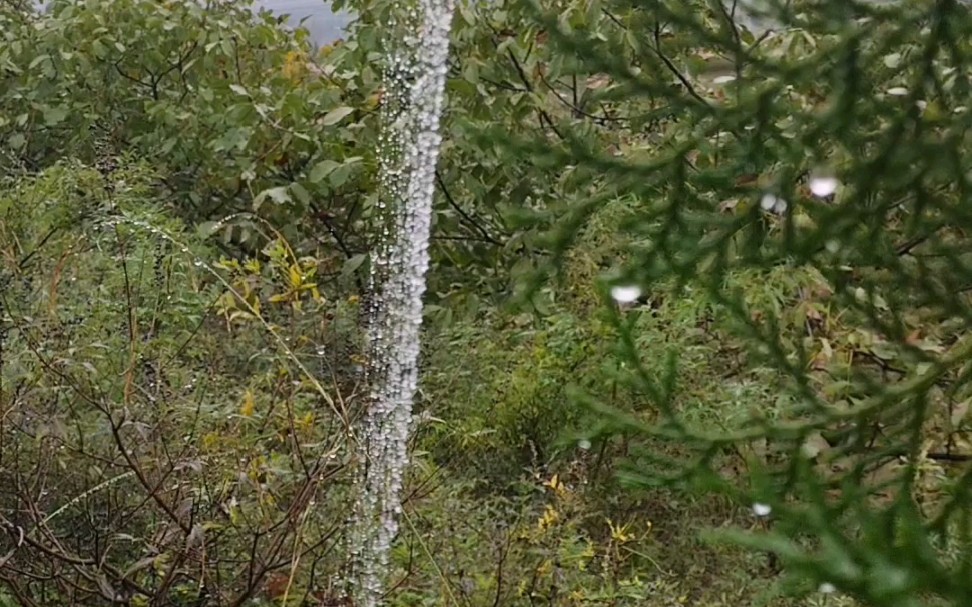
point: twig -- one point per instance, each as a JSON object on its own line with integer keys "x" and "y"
{"x": 529, "y": 85}
{"x": 573, "y": 106}
{"x": 452, "y": 202}
{"x": 674, "y": 69}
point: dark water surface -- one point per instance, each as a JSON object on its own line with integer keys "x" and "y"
{"x": 325, "y": 25}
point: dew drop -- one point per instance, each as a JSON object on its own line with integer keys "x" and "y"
{"x": 767, "y": 202}
{"x": 625, "y": 293}
{"x": 773, "y": 204}
{"x": 823, "y": 186}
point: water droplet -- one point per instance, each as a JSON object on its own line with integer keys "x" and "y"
{"x": 773, "y": 204}
{"x": 823, "y": 185}
{"x": 625, "y": 293}
{"x": 762, "y": 510}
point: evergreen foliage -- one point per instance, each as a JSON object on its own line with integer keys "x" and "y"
{"x": 815, "y": 203}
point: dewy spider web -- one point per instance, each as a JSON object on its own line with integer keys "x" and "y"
{"x": 414, "y": 96}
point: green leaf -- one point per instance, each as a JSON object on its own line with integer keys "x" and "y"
{"x": 278, "y": 195}
{"x": 340, "y": 175}
{"x": 207, "y": 228}
{"x": 336, "y": 115}
{"x": 353, "y": 263}
{"x": 99, "y": 49}
{"x": 38, "y": 60}
{"x": 322, "y": 169}
{"x": 55, "y": 115}
{"x": 300, "y": 193}
{"x": 16, "y": 141}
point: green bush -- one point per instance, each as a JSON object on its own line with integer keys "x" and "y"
{"x": 150, "y": 448}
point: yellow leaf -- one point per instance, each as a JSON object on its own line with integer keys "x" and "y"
{"x": 248, "y": 405}
{"x": 372, "y": 101}
{"x": 619, "y": 533}
{"x": 253, "y": 266}
{"x": 235, "y": 314}
{"x": 295, "y": 278}
{"x": 933, "y": 112}
{"x": 557, "y": 485}
{"x": 210, "y": 440}
{"x": 307, "y": 422}
{"x": 549, "y": 518}
{"x": 294, "y": 66}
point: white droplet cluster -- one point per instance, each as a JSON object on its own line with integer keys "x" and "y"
{"x": 773, "y": 204}
{"x": 413, "y": 100}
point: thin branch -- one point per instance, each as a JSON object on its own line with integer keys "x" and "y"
{"x": 452, "y": 202}
{"x": 674, "y": 69}
{"x": 574, "y": 107}
{"x": 529, "y": 85}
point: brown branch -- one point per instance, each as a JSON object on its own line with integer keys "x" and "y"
{"x": 529, "y": 85}
{"x": 574, "y": 107}
{"x": 674, "y": 69}
{"x": 452, "y": 202}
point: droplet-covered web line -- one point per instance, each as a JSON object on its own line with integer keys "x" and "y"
{"x": 414, "y": 96}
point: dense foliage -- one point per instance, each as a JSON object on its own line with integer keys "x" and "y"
{"x": 186, "y": 210}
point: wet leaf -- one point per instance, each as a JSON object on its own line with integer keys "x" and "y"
{"x": 322, "y": 169}
{"x": 336, "y": 115}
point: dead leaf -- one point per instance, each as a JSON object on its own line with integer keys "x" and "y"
{"x": 727, "y": 206}
{"x": 814, "y": 445}
{"x": 747, "y": 180}
{"x": 958, "y": 413}
{"x": 598, "y": 81}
